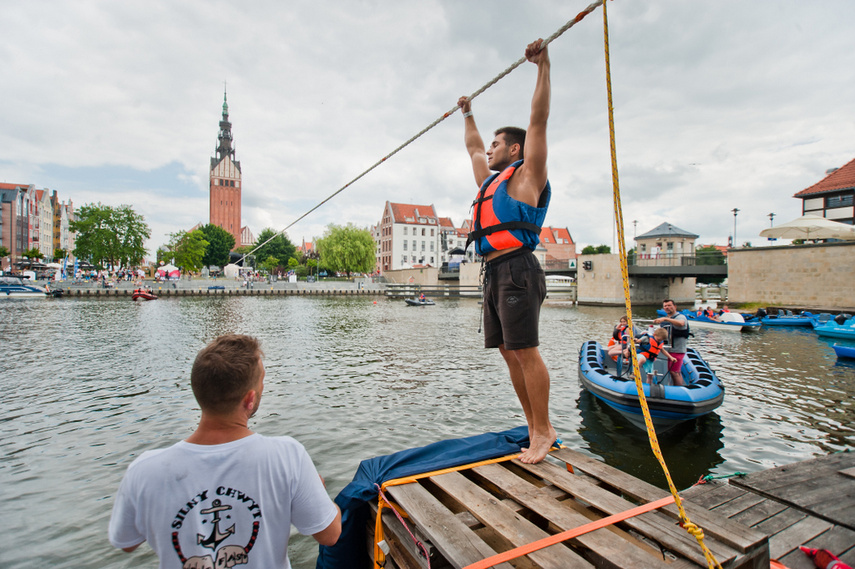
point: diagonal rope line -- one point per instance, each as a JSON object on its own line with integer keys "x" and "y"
{"x": 590, "y": 8}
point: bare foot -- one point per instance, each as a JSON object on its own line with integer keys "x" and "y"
{"x": 539, "y": 448}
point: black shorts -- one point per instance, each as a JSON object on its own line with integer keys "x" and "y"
{"x": 514, "y": 289}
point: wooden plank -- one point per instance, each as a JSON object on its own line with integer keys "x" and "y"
{"x": 797, "y": 560}
{"x": 735, "y": 535}
{"x": 397, "y": 536}
{"x": 606, "y": 549}
{"x": 759, "y": 512}
{"x": 654, "y": 526}
{"x": 804, "y": 530}
{"x": 737, "y": 505}
{"x": 837, "y": 540}
{"x": 514, "y": 528}
{"x": 788, "y": 474}
{"x": 457, "y": 543}
{"x": 780, "y": 522}
{"x": 718, "y": 496}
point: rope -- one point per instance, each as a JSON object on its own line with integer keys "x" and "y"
{"x": 685, "y": 522}
{"x": 441, "y": 118}
{"x": 377, "y": 551}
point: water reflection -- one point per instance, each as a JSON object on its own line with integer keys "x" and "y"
{"x": 691, "y": 449}
{"x": 90, "y": 384}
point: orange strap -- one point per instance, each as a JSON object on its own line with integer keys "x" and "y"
{"x": 569, "y": 534}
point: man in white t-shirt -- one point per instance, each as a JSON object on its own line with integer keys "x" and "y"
{"x": 225, "y": 496}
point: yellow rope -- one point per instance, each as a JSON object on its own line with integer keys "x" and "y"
{"x": 651, "y": 432}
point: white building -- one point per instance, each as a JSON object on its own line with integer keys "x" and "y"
{"x": 409, "y": 236}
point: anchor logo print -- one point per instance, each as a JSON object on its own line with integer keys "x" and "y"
{"x": 218, "y": 514}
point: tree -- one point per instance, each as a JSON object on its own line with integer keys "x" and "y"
{"x": 220, "y": 242}
{"x": 347, "y": 249}
{"x": 4, "y": 251}
{"x": 269, "y": 264}
{"x": 279, "y": 246}
{"x": 108, "y": 235}
{"x": 59, "y": 254}
{"x": 188, "y": 249}
{"x": 709, "y": 255}
{"x": 598, "y": 250}
{"x": 33, "y": 253}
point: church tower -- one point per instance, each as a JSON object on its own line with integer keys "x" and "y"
{"x": 225, "y": 180}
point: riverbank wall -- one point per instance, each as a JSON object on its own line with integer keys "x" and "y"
{"x": 816, "y": 277}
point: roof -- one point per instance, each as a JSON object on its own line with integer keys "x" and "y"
{"x": 412, "y": 213}
{"x": 446, "y": 222}
{"x": 5, "y": 186}
{"x": 842, "y": 178}
{"x": 667, "y": 230}
{"x": 554, "y": 235}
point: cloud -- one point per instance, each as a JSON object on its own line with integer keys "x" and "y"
{"x": 717, "y": 106}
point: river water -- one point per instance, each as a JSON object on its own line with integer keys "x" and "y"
{"x": 89, "y": 384}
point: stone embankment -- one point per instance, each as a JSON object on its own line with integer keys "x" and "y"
{"x": 203, "y": 287}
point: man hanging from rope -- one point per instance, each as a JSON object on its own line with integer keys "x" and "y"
{"x": 507, "y": 216}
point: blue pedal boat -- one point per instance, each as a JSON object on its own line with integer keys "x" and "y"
{"x": 844, "y": 351}
{"x": 669, "y": 405}
{"x": 832, "y": 329}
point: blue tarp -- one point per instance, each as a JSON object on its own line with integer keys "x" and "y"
{"x": 350, "y": 551}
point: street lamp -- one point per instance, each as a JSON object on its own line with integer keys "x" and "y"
{"x": 771, "y": 220}
{"x": 735, "y": 211}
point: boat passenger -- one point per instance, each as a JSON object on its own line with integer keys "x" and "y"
{"x": 620, "y": 337}
{"x": 422, "y": 297}
{"x": 679, "y": 337}
{"x": 657, "y": 343}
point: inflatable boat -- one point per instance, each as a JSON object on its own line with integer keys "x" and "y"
{"x": 669, "y": 404}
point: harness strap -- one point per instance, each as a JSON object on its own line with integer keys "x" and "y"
{"x": 569, "y": 534}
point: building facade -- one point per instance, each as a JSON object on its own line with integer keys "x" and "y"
{"x": 225, "y": 182}
{"x": 560, "y": 248}
{"x": 665, "y": 245}
{"x": 833, "y": 197}
{"x": 409, "y": 236}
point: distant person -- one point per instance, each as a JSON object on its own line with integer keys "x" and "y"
{"x": 225, "y": 496}
{"x": 620, "y": 337}
{"x": 678, "y": 326}
{"x": 508, "y": 213}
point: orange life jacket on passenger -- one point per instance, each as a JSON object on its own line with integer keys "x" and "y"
{"x": 653, "y": 349}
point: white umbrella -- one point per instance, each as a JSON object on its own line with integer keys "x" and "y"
{"x": 811, "y": 227}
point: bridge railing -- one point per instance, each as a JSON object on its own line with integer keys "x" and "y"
{"x": 671, "y": 259}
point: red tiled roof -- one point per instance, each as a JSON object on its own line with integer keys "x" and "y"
{"x": 553, "y": 235}
{"x": 410, "y": 213}
{"x": 5, "y": 186}
{"x": 841, "y": 179}
{"x": 446, "y": 222}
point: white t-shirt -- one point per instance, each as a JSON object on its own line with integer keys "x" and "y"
{"x": 205, "y": 506}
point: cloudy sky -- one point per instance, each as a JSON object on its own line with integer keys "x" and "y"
{"x": 718, "y": 105}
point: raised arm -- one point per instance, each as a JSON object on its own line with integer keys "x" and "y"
{"x": 474, "y": 142}
{"x": 534, "y": 168}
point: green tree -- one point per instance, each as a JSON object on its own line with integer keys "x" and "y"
{"x": 33, "y": 253}
{"x": 269, "y": 264}
{"x": 58, "y": 254}
{"x": 598, "y": 250}
{"x": 188, "y": 249}
{"x": 4, "y": 251}
{"x": 709, "y": 255}
{"x": 220, "y": 242}
{"x": 347, "y": 249}
{"x": 279, "y": 246}
{"x": 109, "y": 235}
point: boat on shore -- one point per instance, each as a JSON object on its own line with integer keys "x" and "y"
{"x": 15, "y": 287}
{"x": 669, "y": 404}
{"x": 419, "y": 302}
{"x": 143, "y": 294}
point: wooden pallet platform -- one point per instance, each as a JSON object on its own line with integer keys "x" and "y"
{"x": 463, "y": 517}
{"x": 809, "y": 503}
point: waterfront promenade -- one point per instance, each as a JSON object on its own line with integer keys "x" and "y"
{"x": 230, "y": 287}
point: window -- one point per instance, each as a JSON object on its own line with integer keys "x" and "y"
{"x": 838, "y": 201}
{"x": 405, "y": 245}
{"x": 414, "y": 244}
{"x": 405, "y": 231}
{"x": 431, "y": 245}
{"x": 423, "y": 245}
{"x": 423, "y": 231}
{"x": 431, "y": 231}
